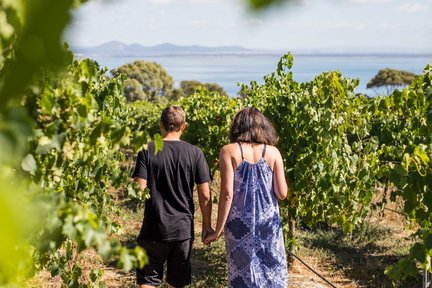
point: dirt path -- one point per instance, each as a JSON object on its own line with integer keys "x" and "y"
{"x": 356, "y": 262}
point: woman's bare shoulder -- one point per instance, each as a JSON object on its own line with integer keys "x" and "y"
{"x": 273, "y": 150}
{"x": 229, "y": 148}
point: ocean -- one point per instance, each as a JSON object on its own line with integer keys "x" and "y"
{"x": 229, "y": 70}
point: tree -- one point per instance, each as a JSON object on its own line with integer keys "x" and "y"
{"x": 145, "y": 81}
{"x": 133, "y": 90}
{"x": 387, "y": 80}
{"x": 189, "y": 87}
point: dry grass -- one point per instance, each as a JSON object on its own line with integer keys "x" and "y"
{"x": 360, "y": 259}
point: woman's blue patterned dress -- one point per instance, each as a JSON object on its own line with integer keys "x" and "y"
{"x": 253, "y": 232}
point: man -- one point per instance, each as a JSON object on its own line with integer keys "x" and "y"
{"x": 167, "y": 231}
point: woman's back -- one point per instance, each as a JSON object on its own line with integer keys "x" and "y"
{"x": 253, "y": 231}
{"x": 252, "y": 179}
{"x": 252, "y": 153}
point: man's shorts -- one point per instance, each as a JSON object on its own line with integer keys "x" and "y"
{"x": 177, "y": 254}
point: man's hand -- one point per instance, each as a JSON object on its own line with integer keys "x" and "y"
{"x": 142, "y": 183}
{"x": 205, "y": 233}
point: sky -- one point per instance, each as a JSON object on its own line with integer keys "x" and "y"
{"x": 308, "y": 25}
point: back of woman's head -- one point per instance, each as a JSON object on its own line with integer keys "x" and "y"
{"x": 250, "y": 125}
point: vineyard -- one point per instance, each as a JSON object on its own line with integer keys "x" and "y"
{"x": 68, "y": 136}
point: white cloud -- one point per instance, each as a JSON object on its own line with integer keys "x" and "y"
{"x": 255, "y": 21}
{"x": 201, "y": 1}
{"x": 413, "y": 7}
{"x": 199, "y": 23}
{"x": 324, "y": 25}
{"x": 347, "y": 25}
{"x": 164, "y": 2}
{"x": 369, "y": 1}
{"x": 208, "y": 24}
{"x": 390, "y": 26}
{"x": 161, "y": 2}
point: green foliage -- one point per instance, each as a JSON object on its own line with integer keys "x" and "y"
{"x": 336, "y": 146}
{"x": 133, "y": 90}
{"x": 61, "y": 141}
{"x": 29, "y": 40}
{"x": 37, "y": 44}
{"x": 208, "y": 117}
{"x": 144, "y": 120}
{"x": 390, "y": 79}
{"x": 189, "y": 87}
{"x": 18, "y": 219}
{"x": 324, "y": 140}
{"x": 9, "y": 22}
{"x": 61, "y": 155}
{"x": 81, "y": 122}
{"x": 151, "y": 81}
{"x": 403, "y": 124}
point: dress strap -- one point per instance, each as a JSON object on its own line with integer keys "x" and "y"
{"x": 264, "y": 150}
{"x": 241, "y": 150}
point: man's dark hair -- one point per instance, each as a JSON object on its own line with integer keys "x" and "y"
{"x": 251, "y": 126}
{"x": 172, "y": 118}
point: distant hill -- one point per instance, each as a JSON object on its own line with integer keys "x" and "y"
{"x": 117, "y": 48}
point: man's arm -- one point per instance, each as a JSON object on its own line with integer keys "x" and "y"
{"x": 141, "y": 182}
{"x": 205, "y": 202}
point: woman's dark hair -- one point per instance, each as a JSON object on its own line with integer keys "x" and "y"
{"x": 172, "y": 118}
{"x": 250, "y": 125}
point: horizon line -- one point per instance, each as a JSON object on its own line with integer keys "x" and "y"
{"x": 349, "y": 50}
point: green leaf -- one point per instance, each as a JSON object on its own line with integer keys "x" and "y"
{"x": 141, "y": 256}
{"x": 29, "y": 164}
{"x": 96, "y": 133}
{"x": 38, "y": 45}
{"x": 126, "y": 260}
{"x": 69, "y": 228}
{"x": 421, "y": 153}
{"x": 428, "y": 242}
{"x": 105, "y": 250}
{"x": 418, "y": 252}
{"x": 408, "y": 267}
{"x": 95, "y": 274}
{"x": 47, "y": 103}
{"x": 158, "y": 143}
{"x": 393, "y": 272}
{"x": 88, "y": 236}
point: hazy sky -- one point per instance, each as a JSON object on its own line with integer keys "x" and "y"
{"x": 379, "y": 25}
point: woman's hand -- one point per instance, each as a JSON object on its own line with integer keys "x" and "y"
{"x": 212, "y": 236}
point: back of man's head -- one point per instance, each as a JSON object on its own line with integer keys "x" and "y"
{"x": 172, "y": 118}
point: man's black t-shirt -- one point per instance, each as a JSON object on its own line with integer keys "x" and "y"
{"x": 171, "y": 175}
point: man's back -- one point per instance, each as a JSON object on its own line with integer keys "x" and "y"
{"x": 171, "y": 175}
{"x": 167, "y": 230}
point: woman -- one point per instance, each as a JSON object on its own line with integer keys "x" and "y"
{"x": 252, "y": 181}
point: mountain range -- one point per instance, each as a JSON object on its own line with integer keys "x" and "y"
{"x": 120, "y": 49}
{"x": 117, "y": 48}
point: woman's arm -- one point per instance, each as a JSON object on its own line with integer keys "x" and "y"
{"x": 279, "y": 182}
{"x": 226, "y": 194}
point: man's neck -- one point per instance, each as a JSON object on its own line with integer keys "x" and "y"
{"x": 172, "y": 136}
